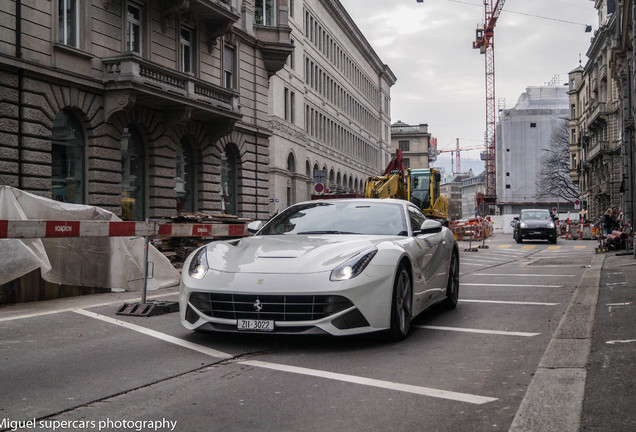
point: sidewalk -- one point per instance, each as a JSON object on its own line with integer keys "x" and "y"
{"x": 610, "y": 388}
{"x": 586, "y": 380}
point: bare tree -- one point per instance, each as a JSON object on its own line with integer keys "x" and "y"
{"x": 554, "y": 173}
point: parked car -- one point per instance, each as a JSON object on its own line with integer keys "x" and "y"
{"x": 341, "y": 267}
{"x": 535, "y": 224}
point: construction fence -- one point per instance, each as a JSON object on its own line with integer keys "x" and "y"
{"x": 473, "y": 229}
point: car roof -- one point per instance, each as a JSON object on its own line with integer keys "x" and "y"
{"x": 361, "y": 200}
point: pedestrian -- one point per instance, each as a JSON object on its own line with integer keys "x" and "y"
{"x": 615, "y": 215}
{"x": 608, "y": 221}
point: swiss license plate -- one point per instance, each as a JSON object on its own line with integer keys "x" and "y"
{"x": 255, "y": 325}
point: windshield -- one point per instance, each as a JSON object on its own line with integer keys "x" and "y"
{"x": 536, "y": 215}
{"x": 420, "y": 190}
{"x": 346, "y": 217}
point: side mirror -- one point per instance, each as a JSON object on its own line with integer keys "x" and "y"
{"x": 429, "y": 226}
{"x": 254, "y": 227}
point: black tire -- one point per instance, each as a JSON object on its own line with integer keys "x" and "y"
{"x": 401, "y": 306}
{"x": 518, "y": 238}
{"x": 553, "y": 240}
{"x": 452, "y": 286}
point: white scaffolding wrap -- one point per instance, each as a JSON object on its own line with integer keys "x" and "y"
{"x": 114, "y": 263}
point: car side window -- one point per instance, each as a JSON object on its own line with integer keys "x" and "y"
{"x": 416, "y": 217}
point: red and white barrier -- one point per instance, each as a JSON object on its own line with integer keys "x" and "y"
{"x": 91, "y": 228}
{"x": 201, "y": 230}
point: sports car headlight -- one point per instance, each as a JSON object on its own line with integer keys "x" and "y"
{"x": 354, "y": 266}
{"x": 199, "y": 264}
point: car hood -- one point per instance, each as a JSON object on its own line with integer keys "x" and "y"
{"x": 287, "y": 253}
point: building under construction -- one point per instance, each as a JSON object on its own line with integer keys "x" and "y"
{"x": 524, "y": 134}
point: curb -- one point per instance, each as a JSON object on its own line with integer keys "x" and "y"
{"x": 554, "y": 399}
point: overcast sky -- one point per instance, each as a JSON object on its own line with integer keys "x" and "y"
{"x": 440, "y": 77}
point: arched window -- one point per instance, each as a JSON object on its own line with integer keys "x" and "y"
{"x": 133, "y": 162}
{"x": 228, "y": 181}
{"x": 185, "y": 179}
{"x": 67, "y": 159}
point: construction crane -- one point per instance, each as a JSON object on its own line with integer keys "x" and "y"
{"x": 456, "y": 151}
{"x": 485, "y": 43}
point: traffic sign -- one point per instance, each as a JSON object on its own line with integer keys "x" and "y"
{"x": 319, "y": 188}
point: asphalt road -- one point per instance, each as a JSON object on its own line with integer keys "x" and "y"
{"x": 73, "y": 364}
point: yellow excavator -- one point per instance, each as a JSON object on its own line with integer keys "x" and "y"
{"x": 421, "y": 186}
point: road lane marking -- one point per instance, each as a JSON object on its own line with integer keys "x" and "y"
{"x": 480, "y": 331}
{"x": 524, "y": 275}
{"x": 148, "y": 332}
{"x": 580, "y": 247}
{"x": 407, "y": 388}
{"x": 528, "y": 247}
{"x": 503, "y": 246}
{"x": 510, "y": 302}
{"x": 613, "y": 342}
{"x": 509, "y": 285}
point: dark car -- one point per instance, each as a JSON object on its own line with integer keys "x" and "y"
{"x": 535, "y": 224}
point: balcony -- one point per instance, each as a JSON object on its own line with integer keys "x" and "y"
{"x": 598, "y": 113}
{"x": 129, "y": 80}
{"x": 217, "y": 15}
{"x": 275, "y": 45}
{"x": 596, "y": 149}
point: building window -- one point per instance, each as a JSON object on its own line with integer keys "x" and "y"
{"x": 290, "y": 101}
{"x": 507, "y": 186}
{"x": 291, "y": 168}
{"x": 185, "y": 186}
{"x": 291, "y": 8}
{"x": 265, "y": 12}
{"x": 404, "y": 145}
{"x": 533, "y": 125}
{"x": 133, "y": 29}
{"x": 67, "y": 157}
{"x": 186, "y": 50}
{"x": 228, "y": 181}
{"x": 407, "y": 163}
{"x": 228, "y": 67}
{"x": 291, "y": 60}
{"x": 134, "y": 175}
{"x": 68, "y": 25}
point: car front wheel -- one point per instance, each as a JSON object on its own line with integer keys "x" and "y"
{"x": 452, "y": 287}
{"x": 401, "y": 305}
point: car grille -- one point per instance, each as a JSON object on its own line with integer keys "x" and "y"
{"x": 269, "y": 307}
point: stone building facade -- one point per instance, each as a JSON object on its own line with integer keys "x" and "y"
{"x": 144, "y": 108}
{"x": 596, "y": 136}
{"x": 418, "y": 147}
{"x": 329, "y": 107}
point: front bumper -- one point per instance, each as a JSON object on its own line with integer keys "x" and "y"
{"x": 538, "y": 233}
{"x": 297, "y": 303}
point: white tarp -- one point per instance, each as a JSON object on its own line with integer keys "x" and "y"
{"x": 102, "y": 262}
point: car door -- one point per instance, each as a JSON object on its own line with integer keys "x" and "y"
{"x": 427, "y": 265}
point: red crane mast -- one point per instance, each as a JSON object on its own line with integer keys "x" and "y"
{"x": 456, "y": 151}
{"x": 485, "y": 42}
